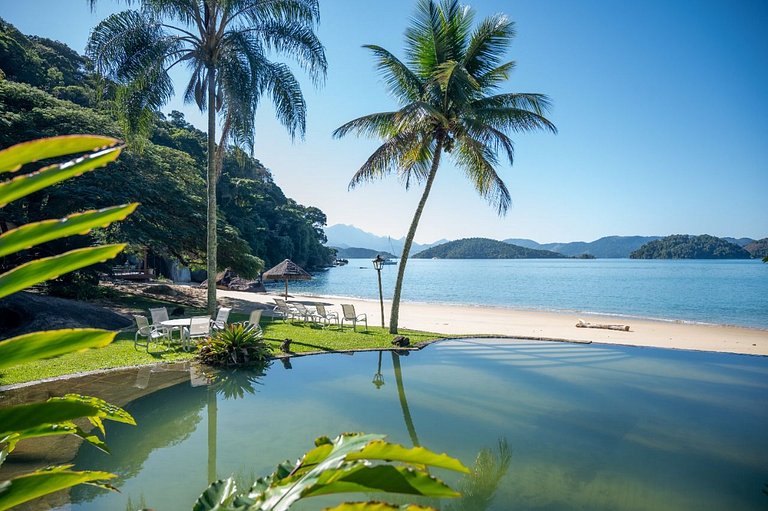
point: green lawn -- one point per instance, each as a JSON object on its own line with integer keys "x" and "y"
{"x": 305, "y": 338}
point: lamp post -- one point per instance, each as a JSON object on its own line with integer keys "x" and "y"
{"x": 378, "y": 264}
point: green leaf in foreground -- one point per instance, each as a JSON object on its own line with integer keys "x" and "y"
{"x": 218, "y": 494}
{"x": 12, "y": 158}
{"x": 42, "y": 482}
{"x": 22, "y": 417}
{"x": 51, "y": 343}
{"x": 40, "y": 270}
{"x": 36, "y": 233}
{"x": 23, "y": 185}
{"x": 377, "y": 506}
{"x": 380, "y": 450}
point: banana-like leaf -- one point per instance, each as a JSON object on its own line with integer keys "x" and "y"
{"x": 51, "y": 343}
{"x": 19, "y": 418}
{"x": 36, "y": 233}
{"x": 379, "y": 478}
{"x": 106, "y": 410}
{"x": 381, "y": 450}
{"x": 42, "y": 482}
{"x": 377, "y": 506}
{"x": 12, "y": 158}
{"x": 217, "y": 497}
{"x": 62, "y": 428}
{"x": 23, "y": 185}
{"x": 40, "y": 270}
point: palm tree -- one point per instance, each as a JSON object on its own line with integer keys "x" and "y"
{"x": 448, "y": 98}
{"x": 226, "y": 45}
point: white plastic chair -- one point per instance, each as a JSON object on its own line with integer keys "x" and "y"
{"x": 349, "y": 314}
{"x": 149, "y": 332}
{"x": 284, "y": 310}
{"x": 253, "y": 322}
{"x": 220, "y": 323}
{"x": 199, "y": 328}
{"x": 326, "y": 315}
{"x": 304, "y": 313}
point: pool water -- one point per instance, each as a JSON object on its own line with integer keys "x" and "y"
{"x": 586, "y": 426}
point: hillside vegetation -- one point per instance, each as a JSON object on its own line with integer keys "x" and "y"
{"x": 483, "y": 248}
{"x": 684, "y": 246}
{"x": 48, "y": 89}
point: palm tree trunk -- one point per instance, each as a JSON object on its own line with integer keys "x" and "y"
{"x": 212, "y": 245}
{"x": 395, "y": 313}
{"x": 213, "y": 414}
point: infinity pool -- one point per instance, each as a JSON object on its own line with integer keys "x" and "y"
{"x": 562, "y": 426}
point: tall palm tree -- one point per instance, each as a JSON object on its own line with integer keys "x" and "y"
{"x": 447, "y": 90}
{"x": 226, "y": 45}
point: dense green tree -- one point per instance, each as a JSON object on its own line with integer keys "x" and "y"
{"x": 685, "y": 246}
{"x": 224, "y": 44}
{"x": 447, "y": 93}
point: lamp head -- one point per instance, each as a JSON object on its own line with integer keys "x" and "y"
{"x": 378, "y": 262}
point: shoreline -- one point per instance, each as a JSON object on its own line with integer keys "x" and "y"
{"x": 488, "y": 320}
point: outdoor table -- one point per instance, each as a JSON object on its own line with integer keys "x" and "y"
{"x": 180, "y": 323}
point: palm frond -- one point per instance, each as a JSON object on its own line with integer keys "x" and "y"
{"x": 388, "y": 158}
{"x": 380, "y": 124}
{"x": 400, "y": 81}
{"x": 492, "y": 79}
{"x": 488, "y": 44}
{"x": 478, "y": 162}
{"x": 297, "y": 41}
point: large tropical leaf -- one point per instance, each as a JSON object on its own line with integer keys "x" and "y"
{"x": 377, "y": 506}
{"x": 40, "y": 270}
{"x": 23, "y": 417}
{"x": 42, "y": 482}
{"x": 23, "y": 185}
{"x": 51, "y": 343}
{"x": 14, "y": 157}
{"x": 218, "y": 495}
{"x": 36, "y": 233}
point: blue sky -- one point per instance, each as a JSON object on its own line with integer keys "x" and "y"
{"x": 661, "y": 108}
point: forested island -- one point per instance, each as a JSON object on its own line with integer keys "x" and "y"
{"x": 47, "y": 89}
{"x": 483, "y": 248}
{"x": 685, "y": 246}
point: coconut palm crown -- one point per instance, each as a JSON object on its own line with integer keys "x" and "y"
{"x": 226, "y": 46}
{"x": 448, "y": 90}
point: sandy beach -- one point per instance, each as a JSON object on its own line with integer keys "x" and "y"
{"x": 484, "y": 320}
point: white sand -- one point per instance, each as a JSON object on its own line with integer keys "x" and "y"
{"x": 484, "y": 320}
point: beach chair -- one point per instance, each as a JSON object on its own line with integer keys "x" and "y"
{"x": 284, "y": 310}
{"x": 305, "y": 314}
{"x": 253, "y": 322}
{"x": 199, "y": 328}
{"x": 349, "y": 314}
{"x": 326, "y": 315}
{"x": 150, "y": 333}
{"x": 220, "y": 323}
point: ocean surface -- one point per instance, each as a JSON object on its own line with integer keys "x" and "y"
{"x": 732, "y": 292}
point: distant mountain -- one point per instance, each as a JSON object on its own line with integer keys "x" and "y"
{"x": 758, "y": 249}
{"x": 742, "y": 242}
{"x": 684, "y": 246}
{"x": 346, "y": 236}
{"x": 361, "y": 253}
{"x": 604, "y": 248}
{"x": 483, "y": 248}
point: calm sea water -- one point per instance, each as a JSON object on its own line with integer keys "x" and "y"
{"x": 722, "y": 292}
{"x": 597, "y": 427}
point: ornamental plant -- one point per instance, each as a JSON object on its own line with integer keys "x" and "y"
{"x": 57, "y": 415}
{"x": 235, "y": 345}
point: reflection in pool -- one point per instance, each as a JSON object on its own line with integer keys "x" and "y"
{"x": 561, "y": 426}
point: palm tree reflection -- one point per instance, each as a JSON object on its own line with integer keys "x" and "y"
{"x": 404, "y": 400}
{"x": 232, "y": 384}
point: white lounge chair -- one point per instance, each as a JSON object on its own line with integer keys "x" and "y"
{"x": 326, "y": 315}
{"x": 220, "y": 323}
{"x": 199, "y": 328}
{"x": 149, "y": 332}
{"x": 349, "y": 314}
{"x": 253, "y": 322}
{"x": 284, "y": 310}
{"x": 305, "y": 314}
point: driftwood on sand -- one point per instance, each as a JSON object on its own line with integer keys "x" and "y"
{"x": 584, "y": 324}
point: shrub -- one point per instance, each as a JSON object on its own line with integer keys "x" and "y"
{"x": 236, "y": 345}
